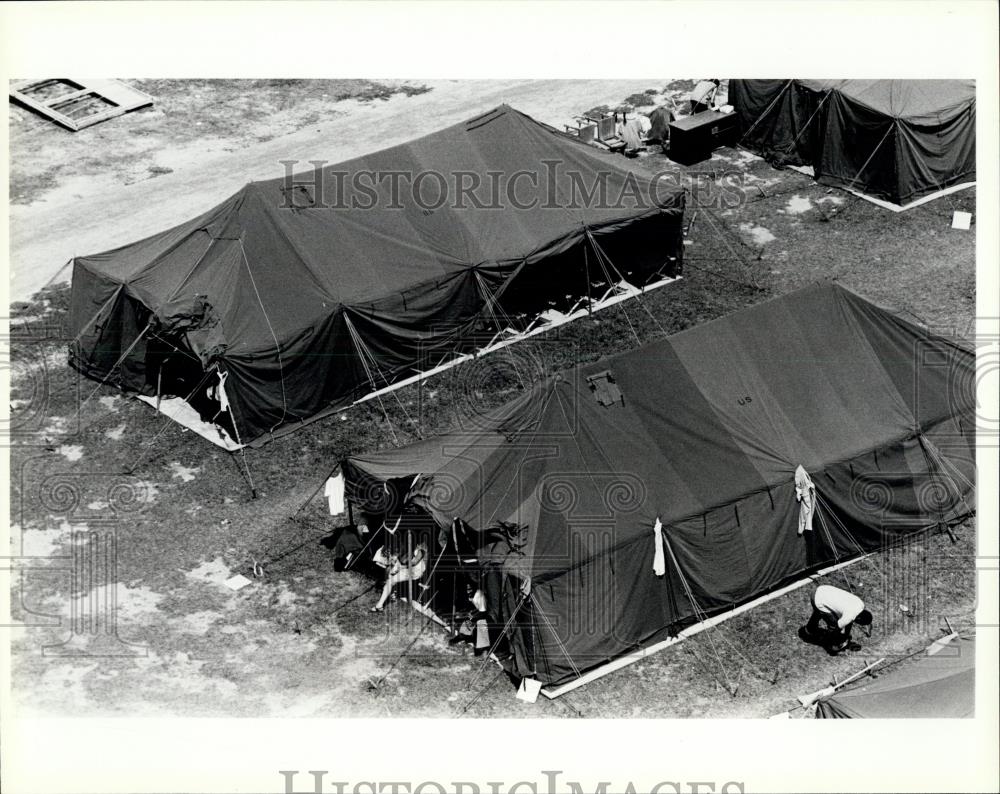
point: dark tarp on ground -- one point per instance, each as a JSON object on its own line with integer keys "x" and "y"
{"x": 713, "y": 423}
{"x": 942, "y": 685}
{"x": 897, "y": 140}
{"x": 277, "y": 296}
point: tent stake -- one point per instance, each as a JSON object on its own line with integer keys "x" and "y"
{"x": 246, "y": 465}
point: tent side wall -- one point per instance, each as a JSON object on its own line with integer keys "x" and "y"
{"x": 936, "y": 155}
{"x": 108, "y": 331}
{"x": 857, "y": 148}
{"x": 362, "y": 348}
{"x": 359, "y": 348}
{"x": 778, "y": 119}
{"x": 613, "y": 602}
{"x": 852, "y": 145}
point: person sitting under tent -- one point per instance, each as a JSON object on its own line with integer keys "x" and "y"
{"x": 703, "y": 95}
{"x": 408, "y": 538}
{"x": 400, "y": 567}
{"x": 840, "y": 610}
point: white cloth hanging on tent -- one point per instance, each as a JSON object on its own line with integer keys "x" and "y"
{"x": 334, "y": 493}
{"x": 217, "y": 391}
{"x": 659, "y": 561}
{"x": 805, "y": 494}
{"x": 645, "y": 125}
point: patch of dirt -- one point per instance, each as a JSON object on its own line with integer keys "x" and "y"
{"x": 189, "y": 120}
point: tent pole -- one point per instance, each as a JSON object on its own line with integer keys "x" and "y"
{"x": 246, "y": 465}
{"x": 409, "y": 561}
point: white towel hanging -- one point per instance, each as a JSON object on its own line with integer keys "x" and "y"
{"x": 659, "y": 561}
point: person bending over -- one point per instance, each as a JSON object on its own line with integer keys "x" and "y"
{"x": 840, "y": 610}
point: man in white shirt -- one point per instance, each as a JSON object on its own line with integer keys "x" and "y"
{"x": 703, "y": 95}
{"x": 840, "y": 610}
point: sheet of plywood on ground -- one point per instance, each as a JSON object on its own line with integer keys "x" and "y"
{"x": 76, "y": 104}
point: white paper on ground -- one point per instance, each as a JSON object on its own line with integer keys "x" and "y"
{"x": 961, "y": 220}
{"x": 529, "y": 689}
{"x": 238, "y": 582}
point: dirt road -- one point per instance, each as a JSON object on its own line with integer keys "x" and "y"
{"x": 85, "y": 216}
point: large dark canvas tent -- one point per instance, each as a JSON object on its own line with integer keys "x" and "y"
{"x": 897, "y": 140}
{"x": 622, "y": 501}
{"x": 305, "y": 300}
{"x": 932, "y": 686}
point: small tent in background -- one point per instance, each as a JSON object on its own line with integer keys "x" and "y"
{"x": 621, "y": 501}
{"x": 896, "y": 140}
{"x": 942, "y": 684}
{"x": 293, "y": 301}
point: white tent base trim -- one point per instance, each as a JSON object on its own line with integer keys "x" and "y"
{"x": 631, "y": 658}
{"x": 932, "y": 197}
{"x": 180, "y": 411}
{"x": 546, "y": 321}
{"x": 807, "y": 170}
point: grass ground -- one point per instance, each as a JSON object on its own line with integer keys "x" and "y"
{"x": 301, "y": 641}
{"x": 194, "y": 117}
